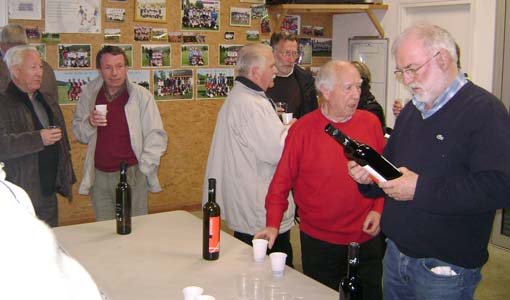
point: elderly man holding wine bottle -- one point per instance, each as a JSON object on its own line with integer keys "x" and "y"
{"x": 333, "y": 213}
{"x": 452, "y": 143}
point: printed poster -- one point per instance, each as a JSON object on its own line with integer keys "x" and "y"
{"x": 73, "y": 16}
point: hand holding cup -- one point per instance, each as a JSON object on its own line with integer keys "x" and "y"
{"x": 51, "y": 135}
{"x": 98, "y": 116}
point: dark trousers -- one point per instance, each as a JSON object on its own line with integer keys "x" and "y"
{"x": 48, "y": 210}
{"x": 327, "y": 263}
{"x": 281, "y": 244}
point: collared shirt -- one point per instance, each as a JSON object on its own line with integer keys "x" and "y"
{"x": 459, "y": 81}
{"x": 109, "y": 97}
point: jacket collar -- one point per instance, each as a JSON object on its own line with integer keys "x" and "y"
{"x": 247, "y": 82}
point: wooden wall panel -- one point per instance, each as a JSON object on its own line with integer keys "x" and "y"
{"x": 189, "y": 124}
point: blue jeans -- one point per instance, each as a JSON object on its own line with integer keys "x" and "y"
{"x": 408, "y": 278}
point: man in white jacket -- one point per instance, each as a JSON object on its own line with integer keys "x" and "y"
{"x": 33, "y": 265}
{"x": 131, "y": 131}
{"x": 246, "y": 147}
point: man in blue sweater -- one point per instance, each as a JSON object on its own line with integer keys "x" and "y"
{"x": 452, "y": 144}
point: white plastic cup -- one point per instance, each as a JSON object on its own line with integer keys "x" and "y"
{"x": 242, "y": 284}
{"x": 259, "y": 249}
{"x": 205, "y": 297}
{"x": 192, "y": 292}
{"x": 278, "y": 263}
{"x": 287, "y": 118}
{"x": 102, "y": 108}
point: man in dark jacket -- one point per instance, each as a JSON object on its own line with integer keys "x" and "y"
{"x": 13, "y": 35}
{"x": 292, "y": 85}
{"x": 33, "y": 139}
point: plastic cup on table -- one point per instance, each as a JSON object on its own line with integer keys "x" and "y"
{"x": 278, "y": 263}
{"x": 192, "y": 292}
{"x": 259, "y": 249}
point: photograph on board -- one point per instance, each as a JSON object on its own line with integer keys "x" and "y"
{"x": 150, "y": 11}
{"x": 156, "y": 56}
{"x": 70, "y": 83}
{"x": 214, "y": 83}
{"x": 74, "y": 56}
{"x": 201, "y": 15}
{"x": 194, "y": 55}
{"x": 173, "y": 84}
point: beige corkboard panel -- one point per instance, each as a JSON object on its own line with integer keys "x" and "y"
{"x": 189, "y": 123}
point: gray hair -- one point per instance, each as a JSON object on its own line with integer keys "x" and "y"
{"x": 251, "y": 55}
{"x": 14, "y": 55}
{"x": 434, "y": 38}
{"x": 327, "y": 76}
{"x": 13, "y": 34}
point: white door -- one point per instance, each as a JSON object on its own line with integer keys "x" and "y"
{"x": 501, "y": 230}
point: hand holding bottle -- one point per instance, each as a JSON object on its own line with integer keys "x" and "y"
{"x": 358, "y": 173}
{"x": 402, "y": 188}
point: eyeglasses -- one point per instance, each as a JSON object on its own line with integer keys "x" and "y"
{"x": 289, "y": 53}
{"x": 413, "y": 72}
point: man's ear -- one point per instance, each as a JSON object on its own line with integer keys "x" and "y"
{"x": 15, "y": 71}
{"x": 443, "y": 59}
{"x": 324, "y": 91}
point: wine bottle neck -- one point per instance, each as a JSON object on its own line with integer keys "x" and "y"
{"x": 212, "y": 196}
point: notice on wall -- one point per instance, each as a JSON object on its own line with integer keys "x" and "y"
{"x": 25, "y": 9}
{"x": 73, "y": 16}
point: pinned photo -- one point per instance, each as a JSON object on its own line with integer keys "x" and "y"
{"x": 195, "y": 55}
{"x": 156, "y": 56}
{"x": 112, "y": 35}
{"x": 175, "y": 37}
{"x": 115, "y": 14}
{"x": 228, "y": 54}
{"x": 142, "y": 33}
{"x": 252, "y": 35}
{"x": 200, "y": 15}
{"x": 229, "y": 35}
{"x": 32, "y": 32}
{"x": 150, "y": 11}
{"x": 240, "y": 16}
{"x": 214, "y": 83}
{"x": 72, "y": 56}
{"x": 291, "y": 23}
{"x": 173, "y": 84}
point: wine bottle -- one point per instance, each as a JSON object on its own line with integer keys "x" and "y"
{"x": 123, "y": 202}
{"x": 350, "y": 286}
{"x": 211, "y": 225}
{"x": 379, "y": 168}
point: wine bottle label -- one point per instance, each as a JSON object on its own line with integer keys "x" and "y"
{"x": 214, "y": 234}
{"x": 376, "y": 177}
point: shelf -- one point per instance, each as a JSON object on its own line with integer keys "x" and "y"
{"x": 278, "y": 12}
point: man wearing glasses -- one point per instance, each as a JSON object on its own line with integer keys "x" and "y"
{"x": 292, "y": 85}
{"x": 453, "y": 147}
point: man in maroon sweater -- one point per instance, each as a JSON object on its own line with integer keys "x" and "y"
{"x": 130, "y": 131}
{"x": 333, "y": 213}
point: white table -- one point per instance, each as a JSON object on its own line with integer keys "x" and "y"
{"x": 163, "y": 254}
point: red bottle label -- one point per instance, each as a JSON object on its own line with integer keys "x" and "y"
{"x": 214, "y": 234}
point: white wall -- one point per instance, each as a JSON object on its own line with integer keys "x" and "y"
{"x": 476, "y": 34}
{"x": 3, "y": 13}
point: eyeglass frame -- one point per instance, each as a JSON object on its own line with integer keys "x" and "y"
{"x": 288, "y": 53}
{"x": 413, "y": 72}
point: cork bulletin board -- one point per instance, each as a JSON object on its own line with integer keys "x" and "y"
{"x": 189, "y": 122}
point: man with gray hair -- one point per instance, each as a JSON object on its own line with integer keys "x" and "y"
{"x": 452, "y": 145}
{"x": 332, "y": 211}
{"x": 33, "y": 138}
{"x": 246, "y": 146}
{"x": 14, "y": 35}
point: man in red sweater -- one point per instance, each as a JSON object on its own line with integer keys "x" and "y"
{"x": 333, "y": 213}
